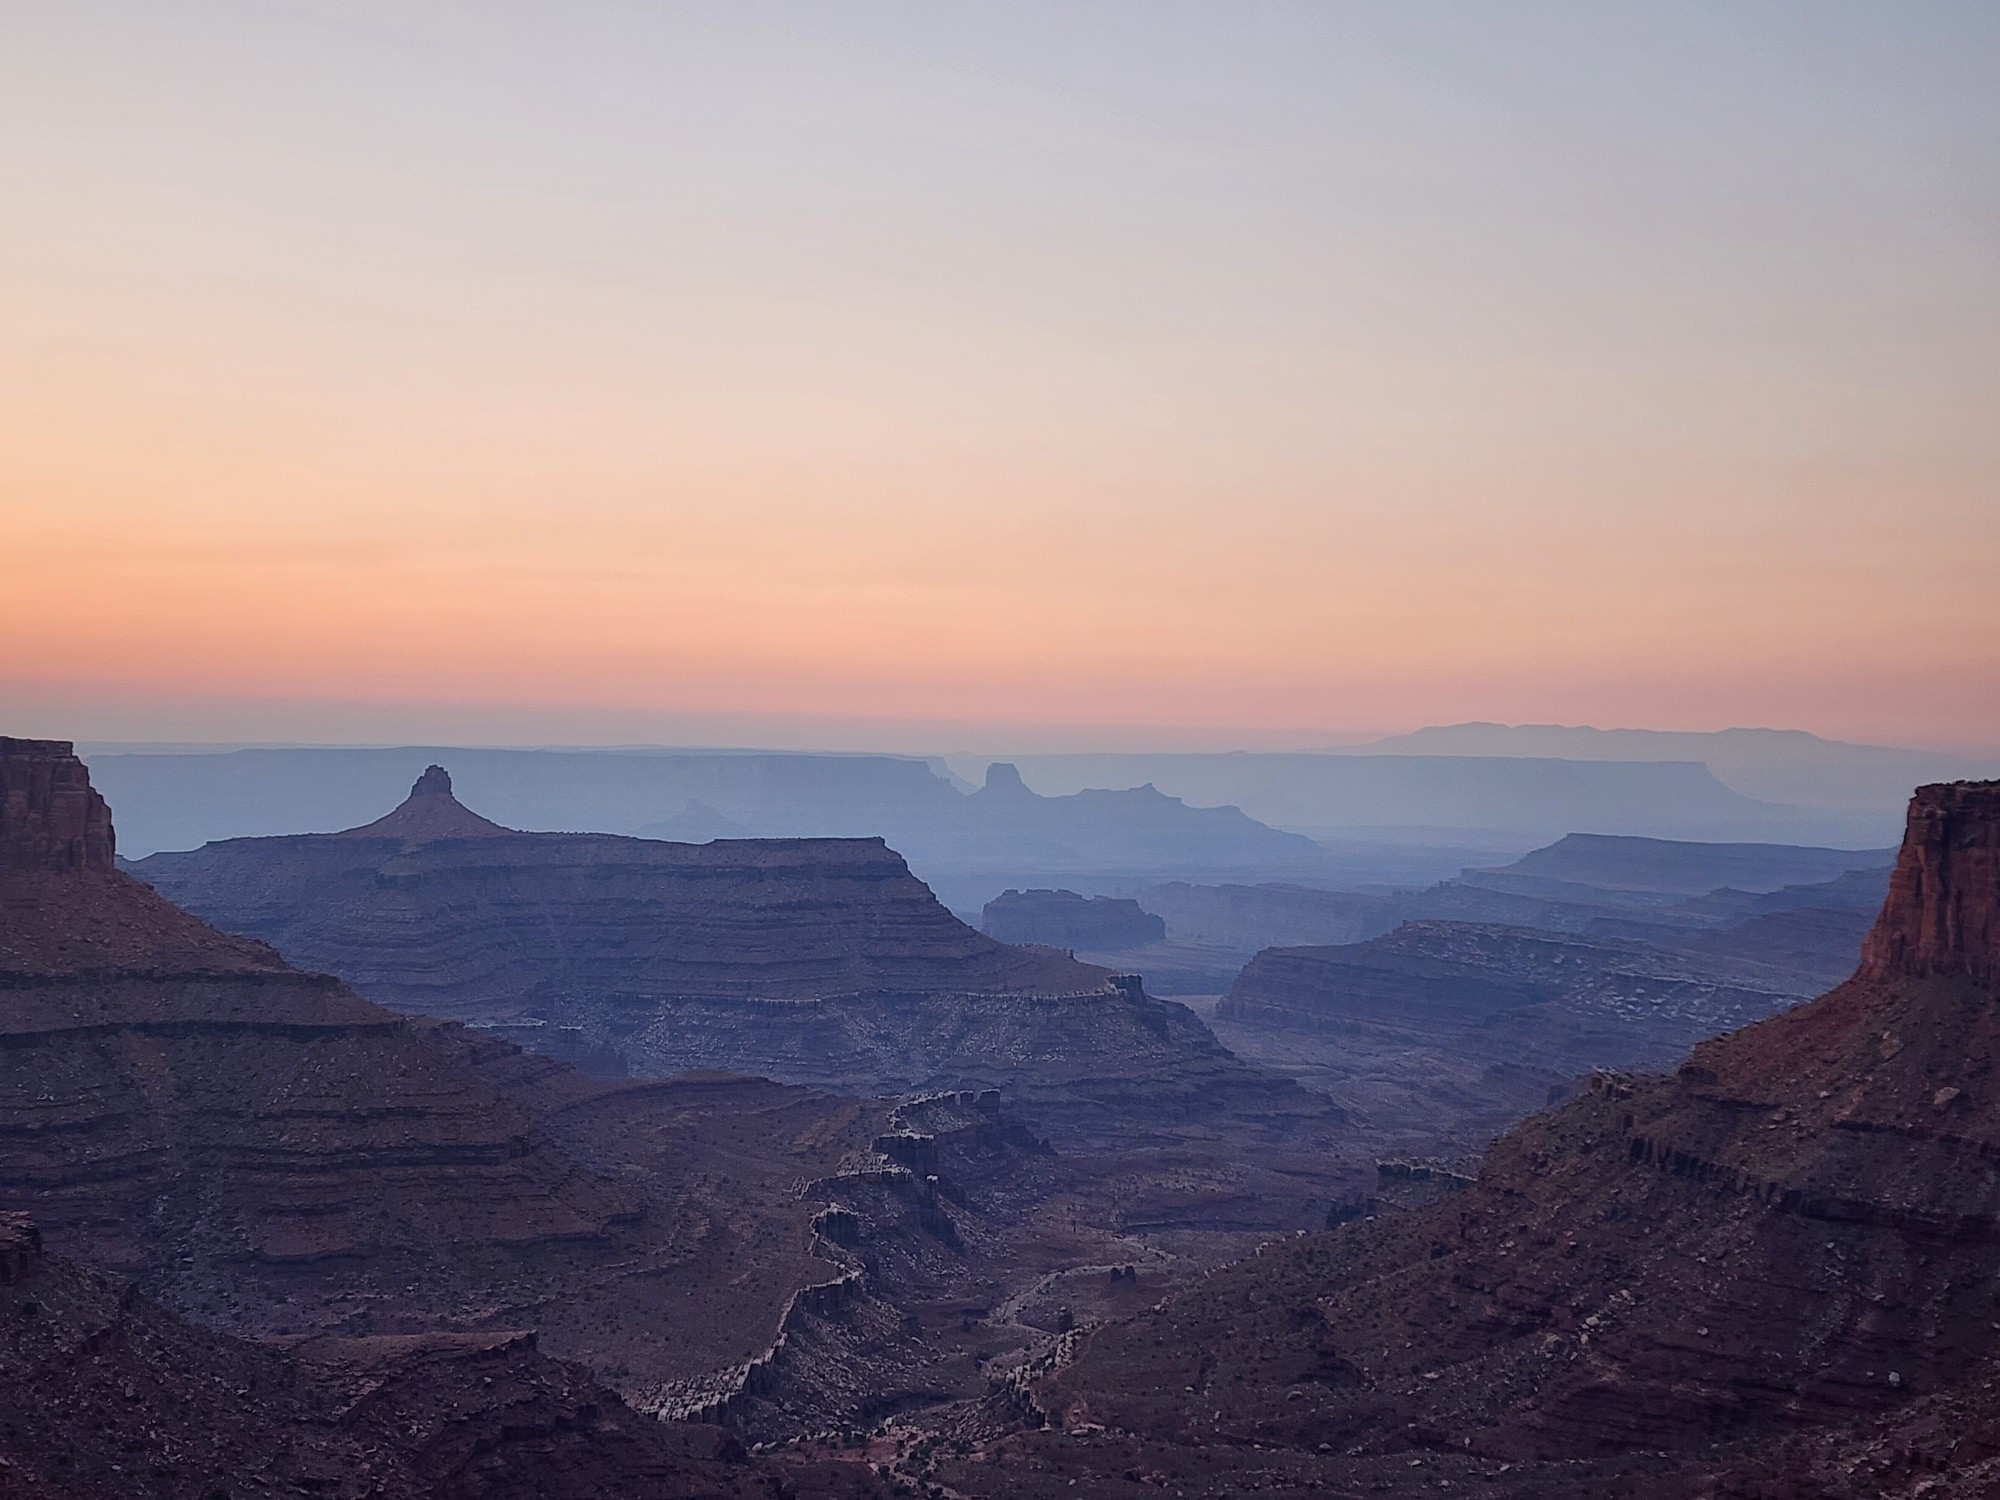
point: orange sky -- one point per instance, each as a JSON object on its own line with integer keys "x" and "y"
{"x": 494, "y": 373}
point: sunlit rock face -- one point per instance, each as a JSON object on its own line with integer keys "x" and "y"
{"x": 1943, "y": 911}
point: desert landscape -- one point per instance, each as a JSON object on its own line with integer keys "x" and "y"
{"x": 1205, "y": 749}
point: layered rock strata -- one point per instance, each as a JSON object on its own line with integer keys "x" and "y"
{"x": 267, "y": 1152}
{"x": 822, "y": 962}
{"x": 434, "y": 911}
{"x": 107, "y": 1396}
{"x": 1641, "y": 1291}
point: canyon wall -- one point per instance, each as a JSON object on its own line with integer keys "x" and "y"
{"x": 1768, "y": 1274}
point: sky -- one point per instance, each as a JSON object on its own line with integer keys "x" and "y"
{"x": 1080, "y": 374}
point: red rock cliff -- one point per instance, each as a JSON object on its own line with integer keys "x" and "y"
{"x": 50, "y": 817}
{"x": 1943, "y": 911}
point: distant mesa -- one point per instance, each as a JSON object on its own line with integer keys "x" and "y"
{"x": 429, "y": 812}
{"x": 1003, "y": 779}
{"x": 484, "y": 923}
{"x": 1065, "y": 919}
{"x": 822, "y": 962}
{"x": 1622, "y": 862}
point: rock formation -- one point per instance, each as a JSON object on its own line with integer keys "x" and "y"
{"x": 1568, "y": 1004}
{"x": 436, "y": 911}
{"x": 266, "y": 1152}
{"x": 822, "y": 962}
{"x": 1643, "y": 1293}
{"x": 429, "y": 812}
{"x": 1064, "y": 919}
{"x": 50, "y": 818}
{"x": 1943, "y": 912}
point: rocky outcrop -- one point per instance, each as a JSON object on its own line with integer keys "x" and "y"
{"x": 1643, "y": 1291}
{"x": 50, "y": 818}
{"x": 1943, "y": 911}
{"x": 429, "y": 812}
{"x": 1064, "y": 919}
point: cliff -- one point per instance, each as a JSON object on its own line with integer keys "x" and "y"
{"x": 266, "y": 1152}
{"x": 1644, "y": 1291}
{"x": 50, "y": 817}
{"x": 1943, "y": 911}
{"x": 437, "y": 911}
{"x": 822, "y": 962}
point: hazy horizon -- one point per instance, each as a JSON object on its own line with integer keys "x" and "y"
{"x": 1221, "y": 376}
{"x": 931, "y": 741}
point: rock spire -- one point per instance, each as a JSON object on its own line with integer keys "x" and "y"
{"x": 429, "y": 812}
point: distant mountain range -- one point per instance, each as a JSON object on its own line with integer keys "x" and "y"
{"x": 1776, "y": 765}
{"x": 175, "y": 801}
{"x": 1398, "y": 812}
{"x": 1347, "y": 795}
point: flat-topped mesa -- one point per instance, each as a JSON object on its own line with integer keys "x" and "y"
{"x": 1943, "y": 911}
{"x": 50, "y": 817}
{"x": 429, "y": 812}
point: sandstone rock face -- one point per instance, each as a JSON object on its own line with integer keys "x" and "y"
{"x": 50, "y": 818}
{"x": 1642, "y": 1291}
{"x": 1943, "y": 912}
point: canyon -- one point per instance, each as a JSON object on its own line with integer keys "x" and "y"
{"x": 1766, "y": 1273}
{"x": 271, "y": 1160}
{"x": 1063, "y": 1240}
{"x": 1441, "y": 1015}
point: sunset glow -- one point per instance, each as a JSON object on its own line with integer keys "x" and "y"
{"x": 1265, "y": 373}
